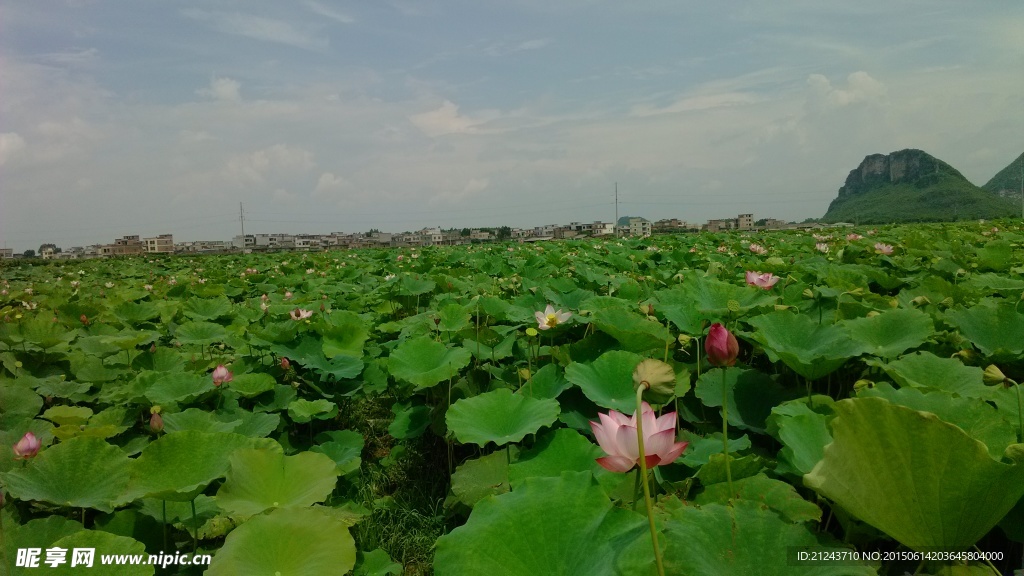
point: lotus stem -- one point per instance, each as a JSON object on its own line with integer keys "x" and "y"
{"x": 195, "y": 526}
{"x": 164, "y": 503}
{"x": 1020, "y": 412}
{"x": 725, "y": 434}
{"x": 643, "y": 476}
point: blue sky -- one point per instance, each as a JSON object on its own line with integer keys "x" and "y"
{"x": 150, "y": 117}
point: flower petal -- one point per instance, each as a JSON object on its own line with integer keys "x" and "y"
{"x": 665, "y": 422}
{"x": 661, "y": 443}
{"x": 616, "y": 463}
{"x": 671, "y": 455}
{"x": 626, "y": 442}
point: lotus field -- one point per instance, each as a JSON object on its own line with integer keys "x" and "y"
{"x": 477, "y": 410}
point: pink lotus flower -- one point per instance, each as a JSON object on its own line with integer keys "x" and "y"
{"x": 723, "y": 249}
{"x": 156, "y": 422}
{"x": 616, "y": 434}
{"x": 721, "y": 346}
{"x": 550, "y": 317}
{"x": 27, "y": 447}
{"x": 300, "y": 314}
{"x": 852, "y": 237}
{"x": 821, "y": 247}
{"x": 285, "y": 363}
{"x": 221, "y": 375}
{"x": 400, "y": 258}
{"x": 883, "y": 248}
{"x": 758, "y": 249}
{"x": 764, "y": 281}
{"x": 287, "y": 295}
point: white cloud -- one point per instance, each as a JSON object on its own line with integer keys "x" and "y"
{"x": 261, "y": 28}
{"x": 255, "y": 168}
{"x": 860, "y": 87}
{"x": 328, "y": 12}
{"x": 11, "y": 143}
{"x": 223, "y": 89}
{"x": 328, "y": 185}
{"x": 447, "y": 120}
{"x": 702, "y": 102}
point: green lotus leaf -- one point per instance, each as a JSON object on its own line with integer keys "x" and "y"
{"x": 58, "y": 387}
{"x": 563, "y": 526}
{"x": 201, "y": 333}
{"x": 481, "y": 477}
{"x": 104, "y": 543}
{"x": 892, "y": 332}
{"x": 607, "y": 381}
{"x": 499, "y": 416}
{"x": 207, "y": 308}
{"x": 974, "y": 416}
{"x": 252, "y": 424}
{"x": 178, "y": 466}
{"x": 452, "y": 318}
{"x": 812, "y": 350}
{"x": 416, "y": 286}
{"x": 345, "y": 447}
{"x": 926, "y": 370}
{"x": 72, "y": 415}
{"x": 714, "y": 472}
{"x": 37, "y": 533}
{"x": 174, "y": 387}
{"x": 803, "y": 432}
{"x": 128, "y": 339}
{"x": 634, "y": 332}
{"x": 752, "y": 395}
{"x": 411, "y": 420}
{"x": 701, "y": 449}
{"x": 263, "y": 479}
{"x": 79, "y": 473}
{"x": 775, "y": 494}
{"x": 303, "y": 410}
{"x": 253, "y": 384}
{"x": 425, "y": 363}
{"x": 377, "y": 563}
{"x": 344, "y": 333}
{"x": 501, "y": 349}
{"x": 560, "y": 451}
{"x": 744, "y": 538}
{"x": 287, "y": 541}
{"x": 45, "y": 333}
{"x": 548, "y": 382}
{"x": 92, "y": 370}
{"x": 17, "y": 401}
{"x": 921, "y": 480}
{"x": 712, "y": 297}
{"x": 161, "y": 360}
{"x": 179, "y": 512}
{"x": 98, "y": 346}
{"x": 133, "y": 314}
{"x": 198, "y": 420}
{"x": 309, "y": 353}
{"x": 997, "y": 329}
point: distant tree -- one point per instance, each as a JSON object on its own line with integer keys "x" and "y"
{"x": 465, "y": 232}
{"x": 761, "y": 222}
{"x": 52, "y": 247}
{"x": 30, "y": 254}
{"x": 504, "y": 233}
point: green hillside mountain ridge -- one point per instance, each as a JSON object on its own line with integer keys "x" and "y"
{"x": 911, "y": 186}
{"x": 1007, "y": 183}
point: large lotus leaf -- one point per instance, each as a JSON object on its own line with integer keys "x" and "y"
{"x": 752, "y": 395}
{"x": 499, "y": 416}
{"x": 996, "y": 329}
{"x": 37, "y": 533}
{"x": 345, "y": 447}
{"x": 921, "y": 480}
{"x": 415, "y": 286}
{"x": 133, "y": 314}
{"x": 202, "y": 333}
{"x": 160, "y": 360}
{"x": 548, "y": 382}
{"x": 974, "y": 416}
{"x": 425, "y": 362}
{"x": 178, "y": 466}
{"x": 701, "y": 449}
{"x": 104, "y": 543}
{"x": 303, "y": 410}
{"x": 309, "y": 353}
{"x": 196, "y": 419}
{"x": 476, "y": 479}
{"x": 892, "y": 332}
{"x": 563, "y": 526}
{"x": 17, "y": 401}
{"x": 926, "y": 370}
{"x": 79, "y": 473}
{"x": 633, "y": 331}
{"x": 73, "y": 415}
{"x": 45, "y": 333}
{"x": 251, "y": 424}
{"x": 607, "y": 381}
{"x": 744, "y": 538}
{"x": 775, "y": 494}
{"x": 174, "y": 387}
{"x": 452, "y": 318}
{"x": 560, "y": 451}
{"x": 252, "y": 384}
{"x": 288, "y": 541}
{"x": 128, "y": 339}
{"x": 803, "y": 432}
{"x": 377, "y": 563}
{"x": 207, "y": 308}
{"x": 93, "y": 370}
{"x": 715, "y": 470}
{"x": 812, "y": 350}
{"x": 98, "y": 346}
{"x": 179, "y": 512}
{"x": 411, "y": 420}
{"x": 263, "y": 479}
{"x": 344, "y": 333}
{"x": 712, "y": 298}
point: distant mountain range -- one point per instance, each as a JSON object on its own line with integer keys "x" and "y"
{"x": 914, "y": 186}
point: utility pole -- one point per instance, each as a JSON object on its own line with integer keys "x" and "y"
{"x": 616, "y": 210}
{"x": 1022, "y": 186}
{"x": 241, "y": 218}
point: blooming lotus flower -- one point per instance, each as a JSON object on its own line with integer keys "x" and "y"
{"x": 721, "y": 346}
{"x": 758, "y": 249}
{"x": 723, "y": 249}
{"x": 616, "y": 434}
{"x": 28, "y": 291}
{"x": 109, "y": 284}
{"x": 300, "y": 314}
{"x": 287, "y": 295}
{"x": 400, "y": 258}
{"x": 221, "y": 375}
{"x": 550, "y": 317}
{"x": 852, "y": 237}
{"x": 27, "y": 447}
{"x": 821, "y": 247}
{"x": 764, "y": 281}
{"x": 75, "y": 283}
{"x": 883, "y": 248}
{"x": 147, "y": 287}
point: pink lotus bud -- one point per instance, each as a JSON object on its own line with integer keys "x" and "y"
{"x": 27, "y": 447}
{"x": 285, "y": 363}
{"x": 721, "y": 346}
{"x": 156, "y": 423}
{"x": 221, "y": 375}
{"x": 84, "y": 319}
{"x": 400, "y": 258}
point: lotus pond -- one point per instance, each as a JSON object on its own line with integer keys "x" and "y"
{"x": 408, "y": 411}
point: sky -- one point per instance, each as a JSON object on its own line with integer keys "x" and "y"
{"x": 144, "y": 118}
